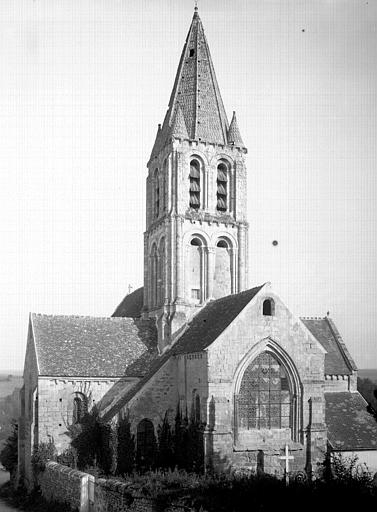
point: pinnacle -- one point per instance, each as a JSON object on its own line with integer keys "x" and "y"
{"x": 234, "y": 136}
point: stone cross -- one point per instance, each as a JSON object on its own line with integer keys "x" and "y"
{"x": 130, "y": 287}
{"x": 287, "y": 458}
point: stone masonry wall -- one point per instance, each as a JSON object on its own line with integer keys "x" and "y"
{"x": 28, "y": 414}
{"x": 116, "y": 496}
{"x": 158, "y": 396}
{"x": 228, "y": 358}
{"x": 55, "y": 405}
{"x": 65, "y": 485}
{"x": 84, "y": 493}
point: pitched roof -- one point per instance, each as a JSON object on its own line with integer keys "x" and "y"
{"x": 350, "y": 426}
{"x": 196, "y": 93}
{"x": 92, "y": 347}
{"x": 204, "y": 328}
{"x": 337, "y": 359}
{"x": 207, "y": 325}
{"x": 131, "y": 305}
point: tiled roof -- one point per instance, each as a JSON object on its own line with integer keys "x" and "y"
{"x": 131, "y": 305}
{"x": 210, "y": 322}
{"x": 196, "y": 93}
{"x": 350, "y": 426}
{"x": 95, "y": 347}
{"x": 337, "y": 359}
{"x": 204, "y": 328}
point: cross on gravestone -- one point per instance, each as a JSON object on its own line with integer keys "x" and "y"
{"x": 287, "y": 458}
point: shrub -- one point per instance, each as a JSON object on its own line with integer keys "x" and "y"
{"x": 125, "y": 453}
{"x": 9, "y": 453}
{"x": 42, "y": 453}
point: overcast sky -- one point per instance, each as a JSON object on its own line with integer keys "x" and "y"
{"x": 83, "y": 85}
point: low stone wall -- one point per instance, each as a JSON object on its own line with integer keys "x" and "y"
{"x": 116, "y": 496}
{"x": 65, "y": 485}
{"x": 86, "y": 494}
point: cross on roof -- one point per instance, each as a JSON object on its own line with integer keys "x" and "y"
{"x": 287, "y": 458}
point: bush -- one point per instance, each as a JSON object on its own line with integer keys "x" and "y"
{"x": 9, "y": 453}
{"x": 125, "y": 453}
{"x": 42, "y": 454}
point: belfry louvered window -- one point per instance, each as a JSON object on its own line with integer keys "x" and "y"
{"x": 222, "y": 188}
{"x": 194, "y": 185}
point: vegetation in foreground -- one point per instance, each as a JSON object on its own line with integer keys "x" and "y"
{"x": 33, "y": 502}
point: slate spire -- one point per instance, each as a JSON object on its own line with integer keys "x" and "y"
{"x": 196, "y": 92}
{"x": 234, "y": 136}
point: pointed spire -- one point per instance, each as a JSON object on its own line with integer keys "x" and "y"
{"x": 197, "y": 92}
{"x": 157, "y": 142}
{"x": 234, "y": 136}
{"x": 178, "y": 128}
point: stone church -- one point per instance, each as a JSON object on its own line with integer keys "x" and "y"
{"x": 196, "y": 334}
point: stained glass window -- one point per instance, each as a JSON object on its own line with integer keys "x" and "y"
{"x": 264, "y": 400}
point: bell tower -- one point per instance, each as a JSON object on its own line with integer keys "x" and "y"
{"x": 195, "y": 243}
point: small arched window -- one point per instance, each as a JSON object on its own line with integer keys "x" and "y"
{"x": 145, "y": 444}
{"x": 222, "y": 188}
{"x": 268, "y": 307}
{"x": 156, "y": 194}
{"x": 194, "y": 184}
{"x": 196, "y": 270}
{"x": 222, "y": 243}
{"x": 80, "y": 407}
{"x": 196, "y": 241}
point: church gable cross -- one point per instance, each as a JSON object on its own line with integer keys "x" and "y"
{"x": 287, "y": 458}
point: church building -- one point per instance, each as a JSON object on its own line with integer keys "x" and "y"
{"x": 197, "y": 335}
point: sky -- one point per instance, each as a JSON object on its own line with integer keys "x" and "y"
{"x": 83, "y": 85}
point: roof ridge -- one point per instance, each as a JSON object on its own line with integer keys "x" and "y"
{"x": 342, "y": 346}
{"x": 312, "y": 317}
{"x": 112, "y": 318}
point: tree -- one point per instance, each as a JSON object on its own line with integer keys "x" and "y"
{"x": 9, "y": 454}
{"x": 125, "y": 447}
{"x": 165, "y": 454}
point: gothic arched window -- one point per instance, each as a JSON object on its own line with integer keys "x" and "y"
{"x": 145, "y": 444}
{"x": 156, "y": 194}
{"x": 80, "y": 407}
{"x": 222, "y": 188}
{"x": 194, "y": 184}
{"x": 265, "y": 397}
{"x": 154, "y": 275}
{"x": 268, "y": 307}
{"x": 161, "y": 273}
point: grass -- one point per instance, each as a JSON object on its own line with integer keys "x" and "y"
{"x": 33, "y": 502}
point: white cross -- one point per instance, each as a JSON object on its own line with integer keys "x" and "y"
{"x": 287, "y": 458}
